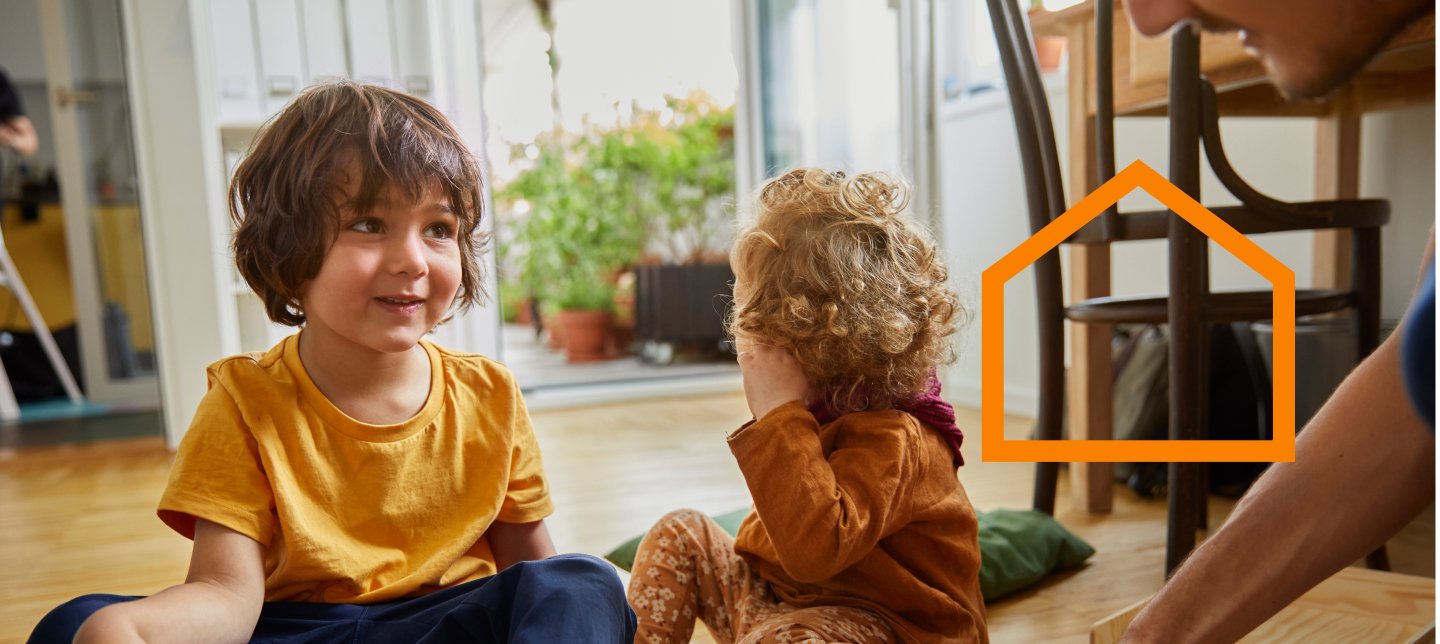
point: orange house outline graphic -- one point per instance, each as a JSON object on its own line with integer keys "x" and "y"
{"x": 993, "y": 444}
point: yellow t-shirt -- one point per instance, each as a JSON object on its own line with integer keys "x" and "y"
{"x": 350, "y": 512}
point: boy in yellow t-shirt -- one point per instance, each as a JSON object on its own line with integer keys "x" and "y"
{"x": 357, "y": 482}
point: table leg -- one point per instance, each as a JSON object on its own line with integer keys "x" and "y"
{"x": 1337, "y": 176}
{"x": 1089, "y": 379}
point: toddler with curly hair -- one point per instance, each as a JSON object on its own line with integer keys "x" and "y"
{"x": 861, "y": 531}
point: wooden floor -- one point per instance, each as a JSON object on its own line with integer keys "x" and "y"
{"x": 80, "y": 519}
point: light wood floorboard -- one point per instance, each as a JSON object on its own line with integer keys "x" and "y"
{"x": 80, "y": 519}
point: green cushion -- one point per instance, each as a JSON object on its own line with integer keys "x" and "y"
{"x": 1018, "y": 548}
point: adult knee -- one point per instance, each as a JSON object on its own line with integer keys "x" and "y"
{"x": 60, "y": 624}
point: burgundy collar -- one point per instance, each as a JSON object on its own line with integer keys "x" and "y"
{"x": 926, "y": 406}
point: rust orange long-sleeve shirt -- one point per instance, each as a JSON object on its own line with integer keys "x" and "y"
{"x": 865, "y": 511}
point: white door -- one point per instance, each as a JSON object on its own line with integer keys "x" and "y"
{"x": 95, "y": 159}
{"x": 839, "y": 84}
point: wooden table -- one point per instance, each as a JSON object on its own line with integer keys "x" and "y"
{"x": 1403, "y": 74}
{"x": 1356, "y": 605}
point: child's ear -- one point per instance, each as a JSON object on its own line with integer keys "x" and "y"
{"x": 742, "y": 344}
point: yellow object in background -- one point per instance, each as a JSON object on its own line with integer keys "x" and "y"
{"x": 39, "y": 250}
{"x": 122, "y": 268}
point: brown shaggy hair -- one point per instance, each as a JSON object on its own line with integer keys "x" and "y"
{"x": 854, "y": 290}
{"x": 287, "y": 201}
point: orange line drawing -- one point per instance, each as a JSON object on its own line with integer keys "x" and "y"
{"x": 993, "y": 444}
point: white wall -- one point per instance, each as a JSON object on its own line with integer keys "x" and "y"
{"x": 984, "y": 216}
{"x": 22, "y": 57}
{"x": 179, "y": 161}
{"x": 1398, "y": 153}
{"x": 20, "y": 46}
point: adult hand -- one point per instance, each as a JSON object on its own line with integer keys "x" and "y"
{"x": 19, "y": 133}
{"x": 772, "y": 377}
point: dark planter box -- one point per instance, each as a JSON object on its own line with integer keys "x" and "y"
{"x": 682, "y": 305}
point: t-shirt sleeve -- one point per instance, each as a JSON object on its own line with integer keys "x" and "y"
{"x": 218, "y": 474}
{"x": 527, "y": 496}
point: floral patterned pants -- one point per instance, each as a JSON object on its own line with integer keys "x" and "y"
{"x": 686, "y": 568}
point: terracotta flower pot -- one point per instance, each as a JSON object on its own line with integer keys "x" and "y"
{"x": 586, "y": 334}
{"x": 554, "y": 331}
{"x": 1048, "y": 49}
{"x": 523, "y": 313}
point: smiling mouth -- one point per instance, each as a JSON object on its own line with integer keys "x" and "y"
{"x": 401, "y": 304}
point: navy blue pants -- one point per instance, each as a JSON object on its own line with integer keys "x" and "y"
{"x": 566, "y": 598}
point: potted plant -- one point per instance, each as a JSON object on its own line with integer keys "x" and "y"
{"x": 582, "y": 301}
{"x": 590, "y": 205}
{"x": 1048, "y": 49}
{"x": 678, "y": 295}
{"x": 573, "y": 235}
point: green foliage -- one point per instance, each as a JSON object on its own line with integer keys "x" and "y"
{"x": 512, "y": 297}
{"x": 582, "y": 291}
{"x": 590, "y": 205}
{"x": 680, "y": 166}
{"x": 573, "y": 237}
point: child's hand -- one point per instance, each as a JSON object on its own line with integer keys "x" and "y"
{"x": 772, "y": 377}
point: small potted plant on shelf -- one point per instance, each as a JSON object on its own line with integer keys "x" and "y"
{"x": 1048, "y": 49}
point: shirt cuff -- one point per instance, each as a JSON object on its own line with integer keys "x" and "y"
{"x": 777, "y": 415}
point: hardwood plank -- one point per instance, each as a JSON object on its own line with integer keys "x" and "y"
{"x": 1354, "y": 605}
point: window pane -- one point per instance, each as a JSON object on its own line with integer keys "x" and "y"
{"x": 830, "y": 78}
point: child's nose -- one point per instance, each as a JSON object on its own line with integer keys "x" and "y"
{"x": 407, "y": 255}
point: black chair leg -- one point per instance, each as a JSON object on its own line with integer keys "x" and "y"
{"x": 1047, "y": 428}
{"x": 1047, "y": 475}
{"x": 1182, "y": 524}
{"x": 1202, "y": 500}
{"x": 1379, "y": 559}
{"x": 1365, "y": 283}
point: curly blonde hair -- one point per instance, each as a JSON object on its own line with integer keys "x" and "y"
{"x": 834, "y": 273}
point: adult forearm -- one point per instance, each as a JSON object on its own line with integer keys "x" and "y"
{"x": 191, "y": 612}
{"x": 1364, "y": 467}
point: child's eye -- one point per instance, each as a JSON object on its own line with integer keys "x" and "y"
{"x": 368, "y": 225}
{"x": 440, "y": 231}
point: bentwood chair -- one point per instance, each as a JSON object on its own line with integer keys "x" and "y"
{"x": 1191, "y": 308}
